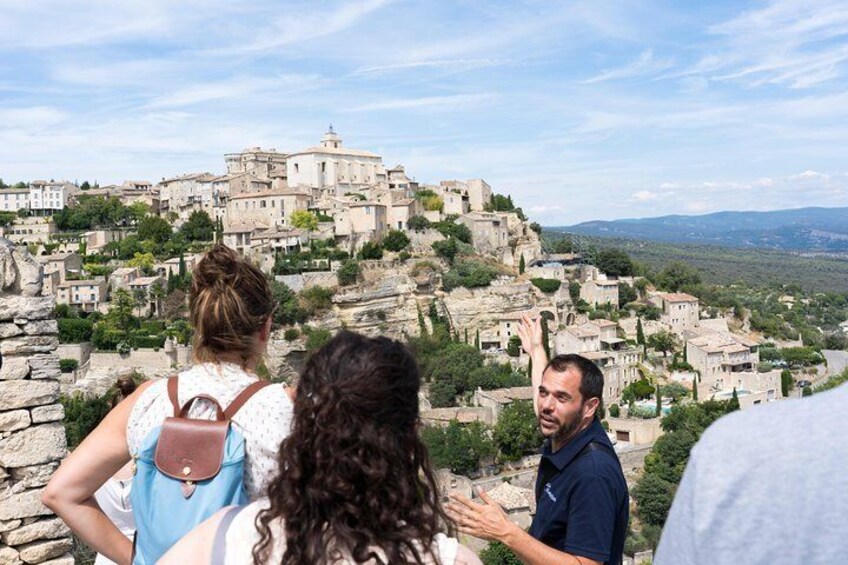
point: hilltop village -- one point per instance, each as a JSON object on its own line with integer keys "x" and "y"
{"x": 449, "y": 267}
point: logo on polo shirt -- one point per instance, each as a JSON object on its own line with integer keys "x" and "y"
{"x": 549, "y": 493}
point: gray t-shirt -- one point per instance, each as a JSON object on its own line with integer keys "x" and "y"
{"x": 765, "y": 486}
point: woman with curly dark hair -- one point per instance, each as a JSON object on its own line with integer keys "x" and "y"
{"x": 354, "y": 483}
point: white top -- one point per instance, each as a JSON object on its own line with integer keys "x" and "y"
{"x": 114, "y": 499}
{"x": 264, "y": 421}
{"x": 242, "y": 535}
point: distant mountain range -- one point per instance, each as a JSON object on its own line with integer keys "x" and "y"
{"x": 802, "y": 229}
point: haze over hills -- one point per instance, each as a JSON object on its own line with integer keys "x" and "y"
{"x": 802, "y": 229}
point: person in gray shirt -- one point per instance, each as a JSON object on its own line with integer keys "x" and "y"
{"x": 765, "y": 486}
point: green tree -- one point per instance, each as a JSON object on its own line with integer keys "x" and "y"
{"x": 75, "y": 330}
{"x": 348, "y": 273}
{"x": 447, "y": 249}
{"x": 497, "y": 553}
{"x": 513, "y": 347}
{"x": 82, "y": 415}
{"x": 395, "y": 240}
{"x": 574, "y": 290}
{"x": 521, "y": 265}
{"x": 614, "y": 262}
{"x": 371, "y": 250}
{"x": 199, "y": 227}
{"x": 143, "y": 261}
{"x": 316, "y": 339}
{"x": 786, "y": 382}
{"x": 304, "y": 220}
{"x": 640, "y": 333}
{"x": 85, "y": 185}
{"x": 626, "y": 294}
{"x": 457, "y": 447}
{"x": 433, "y": 203}
{"x": 517, "y": 432}
{"x": 546, "y": 285}
{"x": 154, "y": 228}
{"x": 418, "y": 223}
{"x": 663, "y": 341}
{"x": 658, "y": 395}
{"x": 614, "y": 411}
{"x": 734, "y": 400}
{"x": 695, "y": 389}
{"x": 677, "y": 275}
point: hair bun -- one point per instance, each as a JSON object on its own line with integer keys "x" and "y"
{"x": 219, "y": 267}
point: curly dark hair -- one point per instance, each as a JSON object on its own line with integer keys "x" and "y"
{"x": 354, "y": 476}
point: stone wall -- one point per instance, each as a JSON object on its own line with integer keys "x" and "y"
{"x": 32, "y": 438}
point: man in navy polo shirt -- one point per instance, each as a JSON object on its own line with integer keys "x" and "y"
{"x": 581, "y": 495}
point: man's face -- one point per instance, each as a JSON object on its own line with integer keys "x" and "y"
{"x": 560, "y": 405}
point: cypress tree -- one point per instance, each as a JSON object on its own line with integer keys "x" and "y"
{"x": 521, "y": 265}
{"x": 695, "y": 389}
{"x": 466, "y": 336}
{"x": 545, "y": 340}
{"x": 734, "y": 401}
{"x": 640, "y": 333}
{"x": 659, "y": 401}
{"x": 182, "y": 269}
{"x": 422, "y": 327}
{"x": 477, "y": 340}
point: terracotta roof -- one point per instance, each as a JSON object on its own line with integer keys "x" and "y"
{"x": 677, "y": 297}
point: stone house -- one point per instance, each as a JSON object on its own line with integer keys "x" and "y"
{"x": 401, "y": 211}
{"x": 269, "y": 207}
{"x": 718, "y": 356}
{"x": 489, "y": 231}
{"x": 47, "y": 197}
{"x": 262, "y": 164}
{"x": 498, "y": 399}
{"x": 122, "y": 277}
{"x": 597, "y": 292}
{"x": 87, "y": 295}
{"x": 61, "y": 263}
{"x": 14, "y": 199}
{"x": 680, "y": 311}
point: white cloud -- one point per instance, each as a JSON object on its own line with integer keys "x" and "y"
{"x": 443, "y": 103}
{"x": 645, "y": 64}
{"x": 645, "y": 195}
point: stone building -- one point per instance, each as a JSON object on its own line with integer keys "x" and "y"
{"x": 48, "y": 197}
{"x": 87, "y": 295}
{"x": 334, "y": 169}
{"x": 717, "y": 356}
{"x": 680, "y": 311}
{"x": 32, "y": 438}
{"x": 14, "y": 199}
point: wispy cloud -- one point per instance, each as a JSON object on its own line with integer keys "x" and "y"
{"x": 443, "y": 103}
{"x": 645, "y": 65}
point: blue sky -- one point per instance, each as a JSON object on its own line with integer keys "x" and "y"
{"x": 581, "y": 110}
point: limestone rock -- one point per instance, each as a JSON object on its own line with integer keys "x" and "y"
{"x": 66, "y": 559}
{"x": 41, "y": 327}
{"x": 24, "y": 505}
{"x": 9, "y": 556}
{"x": 44, "y": 366}
{"x": 42, "y": 530}
{"x": 8, "y": 273}
{"x": 51, "y": 413}
{"x": 5, "y": 526}
{"x": 22, "y": 394}
{"x": 29, "y": 272}
{"x": 39, "y": 551}
{"x": 28, "y": 307}
{"x": 14, "y": 368}
{"x": 9, "y": 330}
{"x": 33, "y": 446}
{"x": 29, "y": 344}
{"x": 34, "y": 476}
{"x": 14, "y": 420}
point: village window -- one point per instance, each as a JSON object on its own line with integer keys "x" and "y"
{"x": 323, "y": 166}
{"x": 368, "y": 210}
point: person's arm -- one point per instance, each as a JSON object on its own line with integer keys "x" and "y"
{"x": 196, "y": 546}
{"x": 489, "y": 521}
{"x": 70, "y": 492}
{"x": 530, "y": 333}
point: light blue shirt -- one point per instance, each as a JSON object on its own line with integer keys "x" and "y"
{"x": 765, "y": 486}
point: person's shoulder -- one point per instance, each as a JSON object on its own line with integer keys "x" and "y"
{"x": 763, "y": 431}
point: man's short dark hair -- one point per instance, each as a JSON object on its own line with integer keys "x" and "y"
{"x": 591, "y": 377}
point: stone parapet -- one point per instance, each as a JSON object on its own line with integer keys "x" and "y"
{"x": 32, "y": 437}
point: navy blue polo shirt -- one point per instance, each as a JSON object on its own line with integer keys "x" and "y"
{"x": 583, "y": 508}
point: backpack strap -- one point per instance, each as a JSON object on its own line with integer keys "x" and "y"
{"x": 172, "y": 395}
{"x": 243, "y": 397}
